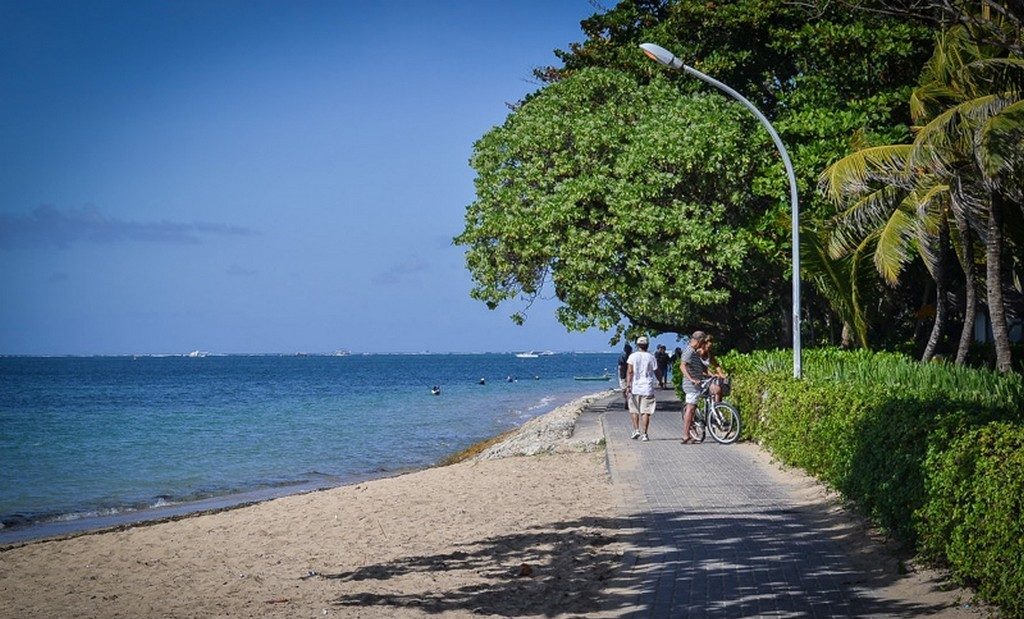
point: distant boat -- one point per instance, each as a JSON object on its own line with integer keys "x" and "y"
{"x": 341, "y": 352}
{"x": 548, "y": 353}
{"x": 197, "y": 354}
{"x": 604, "y": 376}
{"x": 527, "y": 355}
{"x": 435, "y": 390}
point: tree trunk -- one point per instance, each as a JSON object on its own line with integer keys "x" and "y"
{"x": 847, "y": 342}
{"x": 940, "y": 295}
{"x": 924, "y": 301}
{"x": 970, "y": 297}
{"x": 994, "y": 280}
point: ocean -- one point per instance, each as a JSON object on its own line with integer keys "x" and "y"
{"x": 88, "y": 442}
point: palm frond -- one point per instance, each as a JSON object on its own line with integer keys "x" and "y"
{"x": 1001, "y": 145}
{"x": 852, "y": 175}
{"x": 834, "y": 280}
{"x": 893, "y": 250}
{"x": 950, "y": 136}
{"x": 860, "y": 274}
{"x": 930, "y": 99}
{"x": 930, "y": 195}
{"x": 995, "y": 75}
{"x": 861, "y": 218}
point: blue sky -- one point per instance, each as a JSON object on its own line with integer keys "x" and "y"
{"x": 256, "y": 176}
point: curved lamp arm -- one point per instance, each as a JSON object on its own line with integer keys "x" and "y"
{"x": 667, "y": 58}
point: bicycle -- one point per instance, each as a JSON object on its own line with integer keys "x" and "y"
{"x": 720, "y": 418}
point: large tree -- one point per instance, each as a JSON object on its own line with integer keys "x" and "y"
{"x": 632, "y": 204}
{"x": 643, "y": 201}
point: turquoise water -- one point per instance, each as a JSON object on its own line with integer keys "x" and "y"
{"x": 87, "y": 437}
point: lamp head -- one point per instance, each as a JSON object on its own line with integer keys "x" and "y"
{"x": 661, "y": 55}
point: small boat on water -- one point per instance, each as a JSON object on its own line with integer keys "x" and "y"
{"x": 435, "y": 390}
{"x": 527, "y": 355}
{"x": 604, "y": 376}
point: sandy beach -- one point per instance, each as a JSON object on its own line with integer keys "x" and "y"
{"x": 514, "y": 535}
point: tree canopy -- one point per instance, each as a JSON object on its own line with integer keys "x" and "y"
{"x": 633, "y": 203}
{"x": 643, "y": 201}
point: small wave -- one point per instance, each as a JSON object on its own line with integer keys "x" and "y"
{"x": 17, "y": 521}
{"x": 93, "y": 513}
{"x": 545, "y": 402}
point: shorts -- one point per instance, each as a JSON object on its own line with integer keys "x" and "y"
{"x": 641, "y": 404}
{"x": 691, "y": 398}
{"x": 622, "y": 383}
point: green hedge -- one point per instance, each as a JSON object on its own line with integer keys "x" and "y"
{"x": 932, "y": 452}
{"x": 973, "y": 517}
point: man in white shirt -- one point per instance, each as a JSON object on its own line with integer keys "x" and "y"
{"x": 641, "y": 379}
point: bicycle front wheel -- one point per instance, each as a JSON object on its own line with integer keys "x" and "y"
{"x": 724, "y": 423}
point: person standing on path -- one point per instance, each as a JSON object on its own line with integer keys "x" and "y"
{"x": 694, "y": 371}
{"x": 627, "y": 350}
{"x": 661, "y": 356}
{"x": 714, "y": 368}
{"x": 641, "y": 378}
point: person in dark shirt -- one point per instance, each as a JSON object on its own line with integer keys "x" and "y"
{"x": 662, "y": 359}
{"x": 627, "y": 350}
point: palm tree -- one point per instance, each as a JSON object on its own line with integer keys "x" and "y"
{"x": 971, "y": 100}
{"x": 902, "y": 212}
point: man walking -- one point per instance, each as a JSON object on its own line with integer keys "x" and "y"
{"x": 641, "y": 378}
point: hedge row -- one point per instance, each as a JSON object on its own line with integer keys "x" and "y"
{"x": 933, "y": 453}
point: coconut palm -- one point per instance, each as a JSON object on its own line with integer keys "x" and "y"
{"x": 965, "y": 167}
{"x": 899, "y": 211}
{"x": 971, "y": 101}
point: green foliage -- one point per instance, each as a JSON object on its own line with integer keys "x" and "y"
{"x": 965, "y": 159}
{"x": 605, "y": 189}
{"x": 932, "y": 452}
{"x": 972, "y": 518}
{"x": 646, "y": 205}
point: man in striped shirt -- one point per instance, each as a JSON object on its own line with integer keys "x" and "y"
{"x": 694, "y": 371}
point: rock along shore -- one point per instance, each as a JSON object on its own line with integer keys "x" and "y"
{"x": 555, "y": 432}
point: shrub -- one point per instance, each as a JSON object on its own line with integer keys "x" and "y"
{"x": 972, "y": 517}
{"x": 891, "y": 434}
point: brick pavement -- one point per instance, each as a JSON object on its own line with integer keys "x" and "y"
{"x": 720, "y": 532}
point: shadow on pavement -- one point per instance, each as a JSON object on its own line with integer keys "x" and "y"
{"x": 776, "y": 562}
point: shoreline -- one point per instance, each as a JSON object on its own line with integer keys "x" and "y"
{"x": 59, "y": 530}
{"x": 510, "y": 536}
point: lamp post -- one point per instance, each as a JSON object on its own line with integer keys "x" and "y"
{"x": 667, "y": 58}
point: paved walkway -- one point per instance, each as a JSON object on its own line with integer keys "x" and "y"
{"x": 722, "y": 532}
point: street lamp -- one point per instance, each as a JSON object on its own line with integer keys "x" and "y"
{"x": 667, "y": 58}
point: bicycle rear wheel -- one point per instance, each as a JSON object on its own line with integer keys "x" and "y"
{"x": 724, "y": 423}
